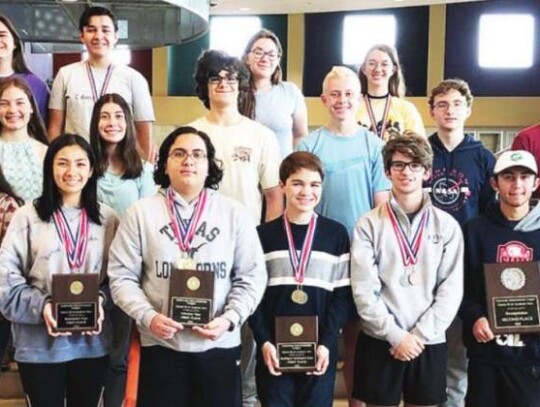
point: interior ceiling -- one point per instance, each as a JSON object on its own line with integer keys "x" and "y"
{"x": 312, "y": 6}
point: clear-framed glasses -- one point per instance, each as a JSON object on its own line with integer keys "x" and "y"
{"x": 180, "y": 154}
{"x": 259, "y": 54}
{"x": 228, "y": 79}
{"x": 401, "y": 165}
{"x": 444, "y": 106}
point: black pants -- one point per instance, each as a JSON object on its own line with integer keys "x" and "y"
{"x": 80, "y": 382}
{"x": 203, "y": 379}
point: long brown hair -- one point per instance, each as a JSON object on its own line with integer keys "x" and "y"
{"x": 18, "y": 64}
{"x": 126, "y": 149}
{"x": 35, "y": 127}
{"x": 396, "y": 84}
{"x": 248, "y": 107}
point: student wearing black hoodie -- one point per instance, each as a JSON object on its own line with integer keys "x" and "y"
{"x": 504, "y": 370}
{"x": 459, "y": 185}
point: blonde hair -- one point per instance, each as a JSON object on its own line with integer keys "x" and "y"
{"x": 341, "y": 72}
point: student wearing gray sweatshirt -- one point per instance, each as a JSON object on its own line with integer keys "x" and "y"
{"x": 190, "y": 225}
{"x": 407, "y": 283}
{"x": 58, "y": 366}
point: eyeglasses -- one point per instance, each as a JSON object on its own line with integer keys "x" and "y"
{"x": 458, "y": 104}
{"x": 259, "y": 54}
{"x": 228, "y": 79}
{"x": 401, "y": 165}
{"x": 181, "y": 155}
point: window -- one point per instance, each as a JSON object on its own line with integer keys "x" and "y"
{"x": 361, "y": 32}
{"x": 506, "y": 41}
{"x": 231, "y": 34}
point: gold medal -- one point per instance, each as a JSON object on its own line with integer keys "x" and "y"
{"x": 76, "y": 287}
{"x": 193, "y": 283}
{"x": 186, "y": 263}
{"x": 296, "y": 329}
{"x": 299, "y": 297}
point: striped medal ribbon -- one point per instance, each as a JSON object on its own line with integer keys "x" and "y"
{"x": 75, "y": 246}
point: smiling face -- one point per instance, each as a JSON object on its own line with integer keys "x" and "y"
{"x": 223, "y": 89}
{"x": 302, "y": 191}
{"x": 15, "y": 109}
{"x": 187, "y": 164}
{"x": 112, "y": 123}
{"x": 406, "y": 181}
{"x": 515, "y": 187}
{"x": 263, "y": 58}
{"x": 7, "y": 44}
{"x": 341, "y": 97}
{"x": 378, "y": 68}
{"x": 450, "y": 111}
{"x": 71, "y": 171}
{"x": 99, "y": 36}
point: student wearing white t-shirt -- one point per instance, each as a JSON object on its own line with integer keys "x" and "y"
{"x": 78, "y": 86}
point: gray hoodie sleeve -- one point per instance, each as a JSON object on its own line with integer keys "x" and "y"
{"x": 449, "y": 292}
{"x": 126, "y": 270}
{"x": 248, "y": 273}
{"x": 366, "y": 285}
{"x": 19, "y": 301}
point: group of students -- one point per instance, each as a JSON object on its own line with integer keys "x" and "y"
{"x": 363, "y": 228}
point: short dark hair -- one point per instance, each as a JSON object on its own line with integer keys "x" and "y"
{"x": 215, "y": 172}
{"x": 211, "y": 63}
{"x": 18, "y": 63}
{"x": 298, "y": 160}
{"x": 35, "y": 127}
{"x": 126, "y": 150}
{"x": 412, "y": 145}
{"x": 451, "y": 84}
{"x": 51, "y": 198}
{"x": 89, "y": 12}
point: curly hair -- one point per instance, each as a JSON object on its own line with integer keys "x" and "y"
{"x": 211, "y": 63}
{"x": 451, "y": 84}
{"x": 215, "y": 172}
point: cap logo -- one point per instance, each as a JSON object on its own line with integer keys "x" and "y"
{"x": 516, "y": 157}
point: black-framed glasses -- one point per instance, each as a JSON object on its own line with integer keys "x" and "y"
{"x": 401, "y": 165}
{"x": 259, "y": 54}
{"x": 228, "y": 79}
{"x": 180, "y": 154}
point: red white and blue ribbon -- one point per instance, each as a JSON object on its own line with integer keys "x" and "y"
{"x": 372, "y": 118}
{"x": 408, "y": 249}
{"x": 184, "y": 232}
{"x": 299, "y": 261}
{"x": 92, "y": 80}
{"x": 75, "y": 246}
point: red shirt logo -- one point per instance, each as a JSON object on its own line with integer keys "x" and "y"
{"x": 514, "y": 252}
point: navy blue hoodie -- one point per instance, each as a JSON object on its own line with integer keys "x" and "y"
{"x": 491, "y": 238}
{"x": 459, "y": 183}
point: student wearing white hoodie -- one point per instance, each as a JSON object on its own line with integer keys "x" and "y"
{"x": 188, "y": 219}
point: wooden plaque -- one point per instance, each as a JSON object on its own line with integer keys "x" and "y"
{"x": 513, "y": 297}
{"x": 296, "y": 343}
{"x": 191, "y": 295}
{"x": 75, "y": 300}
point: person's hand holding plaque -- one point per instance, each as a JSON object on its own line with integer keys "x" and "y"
{"x": 409, "y": 348}
{"x": 164, "y": 327}
{"x": 100, "y": 319}
{"x": 323, "y": 359}
{"x": 214, "y": 329}
{"x": 269, "y": 353}
{"x": 50, "y": 321}
{"x": 482, "y": 331}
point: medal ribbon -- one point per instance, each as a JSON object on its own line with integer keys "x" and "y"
{"x": 184, "y": 233}
{"x": 299, "y": 262}
{"x": 92, "y": 81}
{"x": 75, "y": 246}
{"x": 371, "y": 115}
{"x": 409, "y": 250}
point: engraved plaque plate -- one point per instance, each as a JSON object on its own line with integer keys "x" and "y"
{"x": 296, "y": 343}
{"x": 191, "y": 294}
